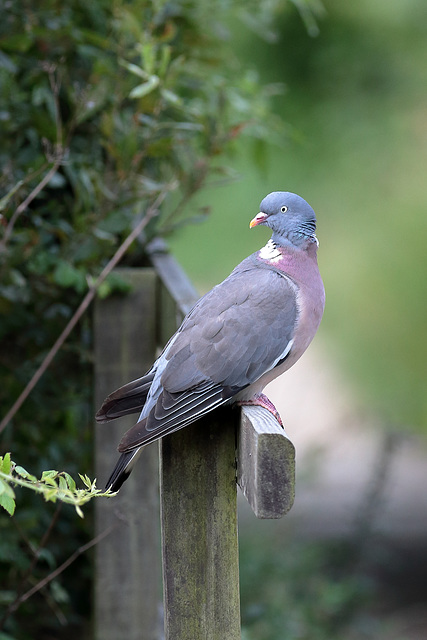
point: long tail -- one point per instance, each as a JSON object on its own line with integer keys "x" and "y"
{"x": 122, "y": 469}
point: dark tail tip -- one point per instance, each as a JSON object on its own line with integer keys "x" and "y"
{"x": 115, "y": 481}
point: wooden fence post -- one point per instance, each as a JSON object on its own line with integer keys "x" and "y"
{"x": 198, "y": 471}
{"x": 265, "y": 463}
{"x": 127, "y": 561}
{"x": 198, "y": 501}
{"x": 199, "y": 466}
{"x": 199, "y": 531}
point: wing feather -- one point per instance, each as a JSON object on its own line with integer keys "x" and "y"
{"x": 127, "y": 399}
{"x": 147, "y": 430}
{"x": 233, "y": 335}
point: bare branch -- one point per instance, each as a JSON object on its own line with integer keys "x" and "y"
{"x": 34, "y": 193}
{"x": 54, "y": 574}
{"x": 36, "y": 554}
{"x": 57, "y": 160}
{"x": 150, "y": 213}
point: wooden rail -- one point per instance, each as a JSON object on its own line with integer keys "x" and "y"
{"x": 200, "y": 467}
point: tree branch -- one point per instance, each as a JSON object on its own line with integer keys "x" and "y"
{"x": 36, "y": 554}
{"x": 150, "y": 213}
{"x": 34, "y": 193}
{"x": 56, "y": 157}
{"x": 54, "y": 574}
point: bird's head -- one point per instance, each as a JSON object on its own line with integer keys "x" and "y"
{"x": 289, "y": 217}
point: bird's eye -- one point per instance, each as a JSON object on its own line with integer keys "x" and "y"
{"x": 284, "y": 209}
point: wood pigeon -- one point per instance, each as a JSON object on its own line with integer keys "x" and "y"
{"x": 238, "y": 337}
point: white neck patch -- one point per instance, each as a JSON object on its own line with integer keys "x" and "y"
{"x": 270, "y": 252}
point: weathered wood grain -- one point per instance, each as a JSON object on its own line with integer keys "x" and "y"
{"x": 266, "y": 463}
{"x": 127, "y": 561}
{"x": 199, "y": 530}
{"x": 198, "y": 503}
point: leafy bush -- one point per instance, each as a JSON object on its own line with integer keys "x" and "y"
{"x": 105, "y": 109}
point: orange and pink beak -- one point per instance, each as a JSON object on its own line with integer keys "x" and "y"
{"x": 259, "y": 219}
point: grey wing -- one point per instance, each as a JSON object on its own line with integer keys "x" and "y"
{"x": 127, "y": 399}
{"x": 238, "y": 331}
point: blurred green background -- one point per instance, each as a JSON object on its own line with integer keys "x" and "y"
{"x": 355, "y": 102}
{"x": 353, "y": 106}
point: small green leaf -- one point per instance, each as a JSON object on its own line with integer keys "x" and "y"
{"x": 48, "y": 478}
{"x": 58, "y": 592}
{"x": 50, "y": 473}
{"x": 51, "y": 495}
{"x": 79, "y": 511}
{"x": 133, "y": 68}
{"x": 86, "y": 480}
{"x": 70, "y": 481}
{"x": 7, "y": 503}
{"x": 144, "y": 89}
{"x": 20, "y": 471}
{"x": 104, "y": 290}
{"x": 5, "y": 463}
{"x": 6, "y": 489}
{"x": 66, "y": 275}
{"x": 6, "y": 466}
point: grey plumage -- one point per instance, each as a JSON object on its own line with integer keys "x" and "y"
{"x": 236, "y": 336}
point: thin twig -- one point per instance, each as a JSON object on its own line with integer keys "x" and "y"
{"x": 34, "y": 193}
{"x": 62, "y": 567}
{"x": 150, "y": 213}
{"x": 42, "y": 544}
{"x": 57, "y": 159}
{"x": 36, "y": 554}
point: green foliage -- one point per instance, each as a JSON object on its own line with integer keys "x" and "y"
{"x": 299, "y": 586}
{"x": 355, "y": 98}
{"x": 7, "y": 495}
{"x": 358, "y": 92}
{"x": 53, "y": 485}
{"x": 306, "y": 590}
{"x": 104, "y": 106}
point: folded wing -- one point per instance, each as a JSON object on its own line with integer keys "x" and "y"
{"x": 234, "y": 334}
